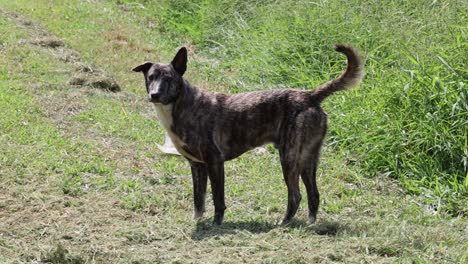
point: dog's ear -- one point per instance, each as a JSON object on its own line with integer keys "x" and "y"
{"x": 180, "y": 61}
{"x": 143, "y": 67}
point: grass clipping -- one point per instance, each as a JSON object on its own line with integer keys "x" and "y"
{"x": 95, "y": 80}
{"x": 84, "y": 75}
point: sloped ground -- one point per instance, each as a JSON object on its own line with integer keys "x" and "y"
{"x": 82, "y": 180}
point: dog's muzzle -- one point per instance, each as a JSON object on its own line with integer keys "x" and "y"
{"x": 154, "y": 98}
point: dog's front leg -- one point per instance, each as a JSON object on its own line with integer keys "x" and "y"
{"x": 199, "y": 178}
{"x": 216, "y": 174}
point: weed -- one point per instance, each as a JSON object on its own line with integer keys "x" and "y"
{"x": 60, "y": 255}
{"x": 72, "y": 185}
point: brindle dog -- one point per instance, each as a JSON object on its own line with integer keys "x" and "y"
{"x": 211, "y": 128}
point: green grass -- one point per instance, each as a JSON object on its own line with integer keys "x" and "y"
{"x": 82, "y": 180}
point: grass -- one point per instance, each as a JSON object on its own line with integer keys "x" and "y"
{"x": 82, "y": 180}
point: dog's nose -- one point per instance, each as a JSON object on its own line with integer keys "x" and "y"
{"x": 154, "y": 97}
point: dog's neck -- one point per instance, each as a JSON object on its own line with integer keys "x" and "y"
{"x": 187, "y": 97}
{"x": 184, "y": 101}
{"x": 166, "y": 114}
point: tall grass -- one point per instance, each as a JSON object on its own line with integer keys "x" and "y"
{"x": 408, "y": 119}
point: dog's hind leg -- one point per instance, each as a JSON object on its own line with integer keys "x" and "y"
{"x": 199, "y": 178}
{"x": 216, "y": 174}
{"x": 291, "y": 177}
{"x": 308, "y": 175}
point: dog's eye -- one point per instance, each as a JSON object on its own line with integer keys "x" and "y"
{"x": 153, "y": 77}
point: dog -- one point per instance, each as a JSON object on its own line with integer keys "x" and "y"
{"x": 211, "y": 128}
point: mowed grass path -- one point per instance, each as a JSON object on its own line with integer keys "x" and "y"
{"x": 81, "y": 179}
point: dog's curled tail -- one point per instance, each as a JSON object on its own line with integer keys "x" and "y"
{"x": 350, "y": 78}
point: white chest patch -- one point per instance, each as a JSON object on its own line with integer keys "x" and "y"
{"x": 164, "y": 113}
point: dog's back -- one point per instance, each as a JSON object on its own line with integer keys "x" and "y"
{"x": 247, "y": 120}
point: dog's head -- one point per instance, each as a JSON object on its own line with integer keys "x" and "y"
{"x": 164, "y": 82}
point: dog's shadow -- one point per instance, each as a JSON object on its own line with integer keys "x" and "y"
{"x": 206, "y": 229}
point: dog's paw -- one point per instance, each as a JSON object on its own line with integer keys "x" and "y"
{"x": 218, "y": 219}
{"x": 311, "y": 220}
{"x": 198, "y": 215}
{"x": 285, "y": 222}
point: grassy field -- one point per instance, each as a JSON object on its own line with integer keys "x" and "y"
{"x": 82, "y": 180}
